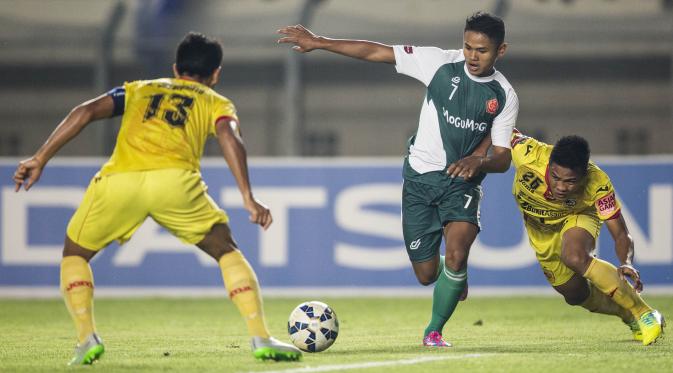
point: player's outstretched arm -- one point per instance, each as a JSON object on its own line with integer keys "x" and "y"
{"x": 305, "y": 41}
{"x": 624, "y": 250}
{"x": 29, "y": 170}
{"x": 234, "y": 153}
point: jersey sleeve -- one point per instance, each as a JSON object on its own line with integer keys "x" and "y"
{"x": 525, "y": 149}
{"x": 503, "y": 124}
{"x": 118, "y": 95}
{"x": 605, "y": 200}
{"x": 224, "y": 109}
{"x": 421, "y": 63}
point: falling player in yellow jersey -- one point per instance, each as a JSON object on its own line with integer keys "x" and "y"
{"x": 565, "y": 198}
{"x": 154, "y": 171}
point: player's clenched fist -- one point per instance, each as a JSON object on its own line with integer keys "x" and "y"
{"x": 259, "y": 213}
{"x": 302, "y": 38}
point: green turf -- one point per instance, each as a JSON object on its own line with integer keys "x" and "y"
{"x": 521, "y": 334}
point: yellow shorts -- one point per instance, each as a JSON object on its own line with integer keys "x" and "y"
{"x": 546, "y": 241}
{"x": 114, "y": 207}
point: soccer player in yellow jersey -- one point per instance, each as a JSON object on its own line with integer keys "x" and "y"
{"x": 154, "y": 171}
{"x": 564, "y": 199}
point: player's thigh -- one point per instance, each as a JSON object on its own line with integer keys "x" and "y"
{"x": 578, "y": 236}
{"x": 421, "y": 225}
{"x": 181, "y": 204}
{"x": 546, "y": 242}
{"x": 112, "y": 209}
{"x": 460, "y": 203}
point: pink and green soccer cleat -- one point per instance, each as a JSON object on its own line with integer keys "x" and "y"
{"x": 434, "y": 339}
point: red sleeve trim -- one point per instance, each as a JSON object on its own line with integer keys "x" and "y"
{"x": 226, "y": 117}
{"x": 615, "y": 215}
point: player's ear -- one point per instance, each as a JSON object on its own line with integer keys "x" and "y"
{"x": 501, "y": 50}
{"x": 215, "y": 77}
{"x": 175, "y": 71}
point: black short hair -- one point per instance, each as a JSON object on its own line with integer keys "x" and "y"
{"x": 487, "y": 24}
{"x": 198, "y": 55}
{"x": 571, "y": 152}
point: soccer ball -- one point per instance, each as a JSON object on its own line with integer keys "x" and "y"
{"x": 313, "y": 326}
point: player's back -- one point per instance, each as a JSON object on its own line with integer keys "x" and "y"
{"x": 165, "y": 124}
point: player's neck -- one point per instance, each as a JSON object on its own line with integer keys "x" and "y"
{"x": 192, "y": 79}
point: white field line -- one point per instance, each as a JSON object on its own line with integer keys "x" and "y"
{"x": 374, "y": 364}
{"x": 46, "y": 292}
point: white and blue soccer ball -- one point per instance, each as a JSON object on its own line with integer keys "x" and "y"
{"x": 313, "y": 326}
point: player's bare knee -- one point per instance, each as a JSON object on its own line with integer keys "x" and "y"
{"x": 574, "y": 299}
{"x": 455, "y": 260}
{"x": 218, "y": 242}
{"x": 577, "y": 260}
{"x": 70, "y": 248}
{"x": 426, "y": 279}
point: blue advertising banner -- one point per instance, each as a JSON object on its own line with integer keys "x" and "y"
{"x": 336, "y": 225}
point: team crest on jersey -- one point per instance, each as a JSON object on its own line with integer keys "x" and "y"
{"x": 492, "y": 106}
{"x": 408, "y": 49}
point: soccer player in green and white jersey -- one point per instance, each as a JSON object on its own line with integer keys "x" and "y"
{"x": 466, "y": 100}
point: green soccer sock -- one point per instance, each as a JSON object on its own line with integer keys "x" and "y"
{"x": 445, "y": 297}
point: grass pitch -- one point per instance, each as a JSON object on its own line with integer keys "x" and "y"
{"x": 503, "y": 334}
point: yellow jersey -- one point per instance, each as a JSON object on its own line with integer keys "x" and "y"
{"x": 165, "y": 124}
{"x": 534, "y": 198}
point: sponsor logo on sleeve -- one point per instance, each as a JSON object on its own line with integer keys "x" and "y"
{"x": 603, "y": 188}
{"x": 607, "y": 205}
{"x": 492, "y": 106}
{"x": 408, "y": 49}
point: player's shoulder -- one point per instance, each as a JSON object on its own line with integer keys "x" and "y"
{"x": 504, "y": 84}
{"x": 220, "y": 98}
{"x": 518, "y": 140}
{"x": 598, "y": 181}
{"x": 429, "y": 52}
{"x": 526, "y": 149}
{"x": 144, "y": 83}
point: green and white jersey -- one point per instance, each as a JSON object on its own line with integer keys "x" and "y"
{"x": 458, "y": 111}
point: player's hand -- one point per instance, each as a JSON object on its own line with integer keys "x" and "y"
{"x": 259, "y": 213}
{"x": 27, "y": 173}
{"x": 466, "y": 168}
{"x": 302, "y": 38}
{"x": 626, "y": 270}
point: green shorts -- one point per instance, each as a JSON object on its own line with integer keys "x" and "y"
{"x": 426, "y": 209}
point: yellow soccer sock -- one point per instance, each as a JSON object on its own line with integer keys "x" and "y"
{"x": 599, "y": 302}
{"x": 243, "y": 288}
{"x": 77, "y": 289}
{"x": 606, "y": 278}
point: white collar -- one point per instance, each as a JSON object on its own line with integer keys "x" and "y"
{"x": 480, "y": 79}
